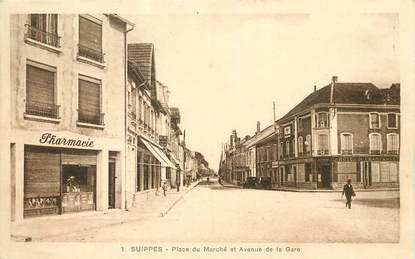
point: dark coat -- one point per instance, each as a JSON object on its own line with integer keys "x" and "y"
{"x": 348, "y": 191}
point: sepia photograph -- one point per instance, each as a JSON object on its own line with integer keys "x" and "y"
{"x": 200, "y": 133}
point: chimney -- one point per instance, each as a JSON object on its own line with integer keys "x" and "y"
{"x": 333, "y": 82}
{"x": 258, "y": 127}
{"x": 315, "y": 88}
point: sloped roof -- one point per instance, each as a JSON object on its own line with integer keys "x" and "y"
{"x": 142, "y": 55}
{"x": 349, "y": 93}
{"x": 259, "y": 136}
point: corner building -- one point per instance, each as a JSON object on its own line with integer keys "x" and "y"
{"x": 339, "y": 132}
{"x": 67, "y": 113}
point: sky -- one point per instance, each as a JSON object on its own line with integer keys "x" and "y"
{"x": 225, "y": 70}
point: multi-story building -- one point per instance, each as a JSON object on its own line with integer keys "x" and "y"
{"x": 147, "y": 162}
{"x": 67, "y": 79}
{"x": 339, "y": 132}
{"x": 177, "y": 175}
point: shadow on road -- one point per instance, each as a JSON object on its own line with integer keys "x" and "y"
{"x": 392, "y": 203}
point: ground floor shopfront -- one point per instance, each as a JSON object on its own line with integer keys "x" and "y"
{"x": 148, "y": 168}
{"x": 62, "y": 172}
{"x": 333, "y": 172}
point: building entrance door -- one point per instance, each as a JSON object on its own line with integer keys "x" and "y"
{"x": 325, "y": 176}
{"x": 111, "y": 185}
{"x": 366, "y": 174}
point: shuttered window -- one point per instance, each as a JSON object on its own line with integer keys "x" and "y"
{"x": 346, "y": 143}
{"x": 90, "y": 39}
{"x": 89, "y": 106}
{"x": 41, "y": 181}
{"x": 40, "y": 91}
{"x": 393, "y": 143}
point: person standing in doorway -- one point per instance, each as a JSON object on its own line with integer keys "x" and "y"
{"x": 348, "y": 192}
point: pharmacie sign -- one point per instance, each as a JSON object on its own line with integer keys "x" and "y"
{"x": 52, "y": 139}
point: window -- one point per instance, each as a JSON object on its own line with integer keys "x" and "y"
{"x": 308, "y": 143}
{"x": 393, "y": 143}
{"x": 287, "y": 147}
{"x": 346, "y": 143}
{"x": 374, "y": 121}
{"x": 322, "y": 120}
{"x": 375, "y": 143}
{"x": 89, "y": 101}
{"x": 300, "y": 145}
{"x": 43, "y": 28}
{"x": 300, "y": 125}
{"x": 90, "y": 38}
{"x": 392, "y": 121}
{"x": 323, "y": 144}
{"x": 40, "y": 90}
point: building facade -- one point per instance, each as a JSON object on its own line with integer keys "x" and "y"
{"x": 339, "y": 132}
{"x": 68, "y": 131}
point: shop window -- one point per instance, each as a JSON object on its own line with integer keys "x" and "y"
{"x": 300, "y": 145}
{"x": 90, "y": 38}
{"x": 323, "y": 144}
{"x": 375, "y": 143}
{"x": 375, "y": 172}
{"x": 393, "y": 143}
{"x": 41, "y": 90}
{"x": 392, "y": 121}
{"x": 346, "y": 143}
{"x": 43, "y": 28}
{"x": 322, "y": 120}
{"x": 89, "y": 101}
{"x": 374, "y": 121}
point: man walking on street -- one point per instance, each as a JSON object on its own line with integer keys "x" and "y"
{"x": 348, "y": 192}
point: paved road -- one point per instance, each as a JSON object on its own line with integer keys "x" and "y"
{"x": 212, "y": 213}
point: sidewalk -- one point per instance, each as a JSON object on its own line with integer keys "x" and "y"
{"x": 292, "y": 189}
{"x": 42, "y": 228}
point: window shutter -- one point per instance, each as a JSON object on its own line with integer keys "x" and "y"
{"x": 89, "y": 101}
{"x": 90, "y": 34}
{"x": 40, "y": 86}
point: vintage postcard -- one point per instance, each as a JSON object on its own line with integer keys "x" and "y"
{"x": 243, "y": 129}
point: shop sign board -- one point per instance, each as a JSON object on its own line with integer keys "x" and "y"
{"x": 53, "y": 139}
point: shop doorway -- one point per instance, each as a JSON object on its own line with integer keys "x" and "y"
{"x": 325, "y": 176}
{"x": 111, "y": 185}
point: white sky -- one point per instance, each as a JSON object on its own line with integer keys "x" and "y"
{"x": 225, "y": 70}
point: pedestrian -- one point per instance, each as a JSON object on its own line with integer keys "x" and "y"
{"x": 164, "y": 188}
{"x": 348, "y": 192}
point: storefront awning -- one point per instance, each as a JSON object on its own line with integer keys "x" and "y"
{"x": 158, "y": 153}
{"x": 176, "y": 162}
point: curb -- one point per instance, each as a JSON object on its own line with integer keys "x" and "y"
{"x": 164, "y": 212}
{"x": 316, "y": 191}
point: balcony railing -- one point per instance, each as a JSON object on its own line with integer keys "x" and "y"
{"x": 97, "y": 119}
{"x": 393, "y": 152}
{"x": 375, "y": 152}
{"x": 91, "y": 53}
{"x": 42, "y": 109}
{"x": 346, "y": 151}
{"x": 42, "y": 36}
